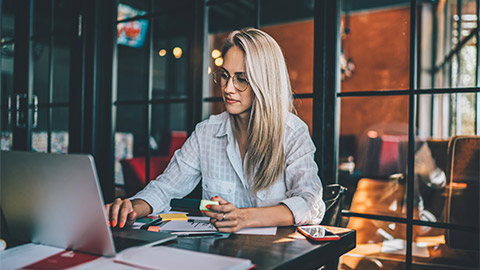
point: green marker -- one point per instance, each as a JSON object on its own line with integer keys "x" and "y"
{"x": 204, "y": 203}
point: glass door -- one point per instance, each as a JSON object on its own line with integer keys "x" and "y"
{"x": 35, "y": 81}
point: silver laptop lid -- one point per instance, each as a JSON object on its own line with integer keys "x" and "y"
{"x": 54, "y": 199}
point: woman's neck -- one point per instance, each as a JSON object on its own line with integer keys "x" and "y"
{"x": 242, "y": 133}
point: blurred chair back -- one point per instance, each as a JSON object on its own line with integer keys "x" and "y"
{"x": 333, "y": 198}
{"x": 134, "y": 168}
{"x": 462, "y": 206}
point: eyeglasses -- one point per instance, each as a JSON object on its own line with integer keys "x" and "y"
{"x": 221, "y": 78}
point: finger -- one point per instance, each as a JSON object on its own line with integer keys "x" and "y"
{"x": 225, "y": 208}
{"x": 226, "y": 223}
{"x": 125, "y": 210}
{"x": 209, "y": 214}
{"x": 114, "y": 211}
{"x": 132, "y": 216}
{"x": 107, "y": 211}
{"x": 228, "y": 229}
{"x": 220, "y": 216}
{"x": 219, "y": 199}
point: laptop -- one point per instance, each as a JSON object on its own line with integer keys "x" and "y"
{"x": 55, "y": 200}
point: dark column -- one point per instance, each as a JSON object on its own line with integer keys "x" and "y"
{"x": 22, "y": 78}
{"x": 326, "y": 84}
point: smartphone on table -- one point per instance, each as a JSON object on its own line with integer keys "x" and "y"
{"x": 317, "y": 233}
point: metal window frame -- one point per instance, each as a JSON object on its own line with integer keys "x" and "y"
{"x": 192, "y": 101}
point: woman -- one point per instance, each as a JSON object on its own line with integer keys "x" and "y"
{"x": 255, "y": 159}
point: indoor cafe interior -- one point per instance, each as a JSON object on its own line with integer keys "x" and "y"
{"x": 389, "y": 89}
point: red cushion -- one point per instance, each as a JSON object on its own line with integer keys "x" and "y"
{"x": 134, "y": 168}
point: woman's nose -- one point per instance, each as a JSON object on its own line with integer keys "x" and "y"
{"x": 230, "y": 87}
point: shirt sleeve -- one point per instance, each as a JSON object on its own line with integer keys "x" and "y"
{"x": 304, "y": 188}
{"x": 179, "y": 178}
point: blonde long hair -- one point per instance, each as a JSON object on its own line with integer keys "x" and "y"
{"x": 268, "y": 76}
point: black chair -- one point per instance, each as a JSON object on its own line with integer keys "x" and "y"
{"x": 333, "y": 198}
{"x": 462, "y": 202}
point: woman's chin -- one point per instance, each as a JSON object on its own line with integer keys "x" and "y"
{"x": 237, "y": 110}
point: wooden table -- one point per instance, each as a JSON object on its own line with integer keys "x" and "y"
{"x": 286, "y": 250}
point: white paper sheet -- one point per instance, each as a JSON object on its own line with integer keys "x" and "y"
{"x": 18, "y": 257}
{"x": 161, "y": 257}
{"x": 188, "y": 226}
{"x": 259, "y": 231}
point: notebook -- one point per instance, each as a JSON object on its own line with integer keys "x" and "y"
{"x": 55, "y": 200}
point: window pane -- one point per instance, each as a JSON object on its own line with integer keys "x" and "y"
{"x": 171, "y": 57}
{"x": 61, "y": 69}
{"x": 39, "y": 133}
{"x": 443, "y": 28}
{"x": 444, "y": 249}
{"x": 130, "y": 142}
{"x": 466, "y": 113}
{"x": 60, "y": 118}
{"x": 63, "y": 20}
{"x": 447, "y": 180}
{"x": 132, "y": 71}
{"x": 42, "y": 14}
{"x": 225, "y": 16}
{"x": 444, "y": 115}
{"x": 374, "y": 148}
{"x": 291, "y": 25}
{"x": 132, "y": 119}
{"x": 6, "y": 92}
{"x": 215, "y": 62}
{"x": 167, "y": 5}
{"x": 59, "y": 131}
{"x": 376, "y": 49}
{"x": 168, "y": 135}
{"x": 279, "y": 12}
{"x": 166, "y": 118}
{"x": 304, "y": 108}
{"x": 446, "y": 168}
{"x": 380, "y": 245}
{"x": 296, "y": 41}
{"x": 41, "y": 69}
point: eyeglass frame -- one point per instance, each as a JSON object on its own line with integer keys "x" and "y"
{"x": 230, "y": 77}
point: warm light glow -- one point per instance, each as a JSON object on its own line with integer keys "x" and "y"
{"x": 162, "y": 52}
{"x": 177, "y": 52}
{"x": 219, "y": 62}
{"x": 209, "y": 70}
{"x": 216, "y": 53}
{"x": 458, "y": 185}
{"x": 372, "y": 134}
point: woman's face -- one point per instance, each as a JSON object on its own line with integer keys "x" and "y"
{"x": 236, "y": 102}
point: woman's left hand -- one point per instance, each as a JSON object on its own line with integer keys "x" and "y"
{"x": 225, "y": 216}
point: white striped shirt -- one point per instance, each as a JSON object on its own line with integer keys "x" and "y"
{"x": 211, "y": 154}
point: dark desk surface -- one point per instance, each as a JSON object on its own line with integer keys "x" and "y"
{"x": 286, "y": 250}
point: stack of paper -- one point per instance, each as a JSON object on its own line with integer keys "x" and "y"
{"x": 161, "y": 257}
{"x": 188, "y": 226}
{"x": 199, "y": 225}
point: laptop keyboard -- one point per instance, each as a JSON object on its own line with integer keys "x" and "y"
{"x": 124, "y": 243}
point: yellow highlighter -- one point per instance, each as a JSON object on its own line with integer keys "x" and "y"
{"x": 168, "y": 217}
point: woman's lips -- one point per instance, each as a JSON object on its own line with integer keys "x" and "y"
{"x": 230, "y": 101}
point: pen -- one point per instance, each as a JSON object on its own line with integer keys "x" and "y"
{"x": 151, "y": 223}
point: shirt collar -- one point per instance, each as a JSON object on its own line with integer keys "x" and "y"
{"x": 225, "y": 127}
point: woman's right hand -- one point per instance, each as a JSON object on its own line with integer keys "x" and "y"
{"x": 124, "y": 212}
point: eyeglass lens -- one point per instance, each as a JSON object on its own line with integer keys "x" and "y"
{"x": 221, "y": 78}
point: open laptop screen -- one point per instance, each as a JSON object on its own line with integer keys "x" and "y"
{"x": 54, "y": 199}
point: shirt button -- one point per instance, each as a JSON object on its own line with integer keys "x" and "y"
{"x": 205, "y": 186}
{"x": 229, "y": 191}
